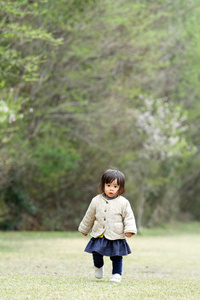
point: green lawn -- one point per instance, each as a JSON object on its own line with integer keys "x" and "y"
{"x": 165, "y": 264}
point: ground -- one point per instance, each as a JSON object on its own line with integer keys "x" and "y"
{"x": 164, "y": 264}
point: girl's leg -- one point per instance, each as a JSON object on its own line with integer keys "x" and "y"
{"x": 98, "y": 265}
{"x": 98, "y": 260}
{"x": 117, "y": 264}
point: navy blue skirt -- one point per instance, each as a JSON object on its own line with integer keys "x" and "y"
{"x": 107, "y": 247}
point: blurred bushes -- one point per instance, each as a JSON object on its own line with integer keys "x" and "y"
{"x": 91, "y": 85}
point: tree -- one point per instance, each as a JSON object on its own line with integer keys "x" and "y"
{"x": 161, "y": 126}
{"x": 72, "y": 74}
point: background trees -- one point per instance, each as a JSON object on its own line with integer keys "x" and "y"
{"x": 93, "y": 85}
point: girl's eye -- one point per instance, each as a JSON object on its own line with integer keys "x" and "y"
{"x": 116, "y": 186}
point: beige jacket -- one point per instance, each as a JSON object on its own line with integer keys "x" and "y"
{"x": 113, "y": 218}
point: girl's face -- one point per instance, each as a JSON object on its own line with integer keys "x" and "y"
{"x": 111, "y": 189}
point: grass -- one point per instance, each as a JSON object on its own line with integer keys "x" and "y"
{"x": 164, "y": 264}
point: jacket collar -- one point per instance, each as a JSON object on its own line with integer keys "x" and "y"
{"x": 108, "y": 199}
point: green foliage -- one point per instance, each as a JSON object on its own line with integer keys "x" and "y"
{"x": 72, "y": 76}
{"x": 18, "y": 60}
{"x": 15, "y": 205}
{"x": 53, "y": 161}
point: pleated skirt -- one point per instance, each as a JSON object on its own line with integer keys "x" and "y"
{"x": 107, "y": 247}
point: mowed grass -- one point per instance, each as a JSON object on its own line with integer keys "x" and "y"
{"x": 164, "y": 264}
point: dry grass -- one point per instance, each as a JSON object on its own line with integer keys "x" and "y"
{"x": 164, "y": 264}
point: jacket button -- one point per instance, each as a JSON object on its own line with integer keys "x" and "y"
{"x": 105, "y": 210}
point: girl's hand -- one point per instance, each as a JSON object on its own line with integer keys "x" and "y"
{"x": 84, "y": 234}
{"x": 128, "y": 234}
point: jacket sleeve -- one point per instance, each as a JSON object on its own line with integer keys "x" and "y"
{"x": 129, "y": 220}
{"x": 88, "y": 220}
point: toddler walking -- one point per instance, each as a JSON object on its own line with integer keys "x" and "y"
{"x": 110, "y": 219}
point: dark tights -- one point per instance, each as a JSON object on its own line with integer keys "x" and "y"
{"x": 116, "y": 262}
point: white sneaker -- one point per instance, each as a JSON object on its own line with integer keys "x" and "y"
{"x": 115, "y": 278}
{"x": 99, "y": 272}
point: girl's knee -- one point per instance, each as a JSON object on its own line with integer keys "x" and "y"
{"x": 116, "y": 258}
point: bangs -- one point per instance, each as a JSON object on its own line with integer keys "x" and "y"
{"x": 110, "y": 179}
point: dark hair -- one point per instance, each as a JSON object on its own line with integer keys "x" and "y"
{"x": 109, "y": 176}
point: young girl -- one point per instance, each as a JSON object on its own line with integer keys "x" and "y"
{"x": 110, "y": 220}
